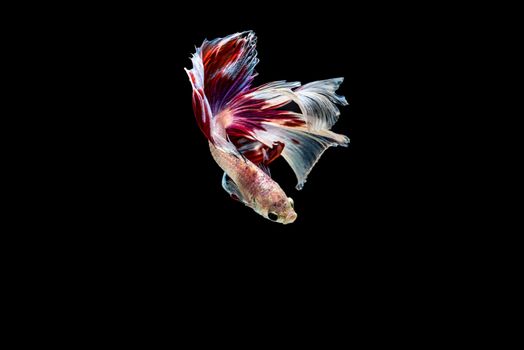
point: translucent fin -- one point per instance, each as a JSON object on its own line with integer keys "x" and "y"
{"x": 273, "y": 95}
{"x": 259, "y": 116}
{"x": 318, "y": 102}
{"x": 303, "y": 147}
{"x": 231, "y": 187}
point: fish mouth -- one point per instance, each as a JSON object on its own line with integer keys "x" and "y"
{"x": 290, "y": 218}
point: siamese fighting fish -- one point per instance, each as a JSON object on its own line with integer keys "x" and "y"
{"x": 248, "y": 127}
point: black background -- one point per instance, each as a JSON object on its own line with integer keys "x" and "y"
{"x": 133, "y": 211}
{"x": 140, "y": 197}
{"x": 145, "y": 176}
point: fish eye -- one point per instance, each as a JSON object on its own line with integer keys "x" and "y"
{"x": 272, "y": 216}
{"x": 292, "y": 202}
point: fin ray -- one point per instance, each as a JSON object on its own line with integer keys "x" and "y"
{"x": 304, "y": 136}
{"x": 303, "y": 147}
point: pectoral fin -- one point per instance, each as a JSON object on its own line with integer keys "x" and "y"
{"x": 231, "y": 187}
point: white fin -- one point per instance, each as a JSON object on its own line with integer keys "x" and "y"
{"x": 260, "y": 115}
{"x": 318, "y": 100}
{"x": 275, "y": 93}
{"x": 303, "y": 147}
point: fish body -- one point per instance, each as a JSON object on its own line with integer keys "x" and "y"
{"x": 249, "y": 127}
{"x": 254, "y": 187}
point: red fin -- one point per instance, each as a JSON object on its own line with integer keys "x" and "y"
{"x": 257, "y": 152}
{"x": 222, "y": 69}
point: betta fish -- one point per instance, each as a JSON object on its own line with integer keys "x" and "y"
{"x": 248, "y": 127}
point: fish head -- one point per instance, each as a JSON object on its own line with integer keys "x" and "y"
{"x": 276, "y": 207}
